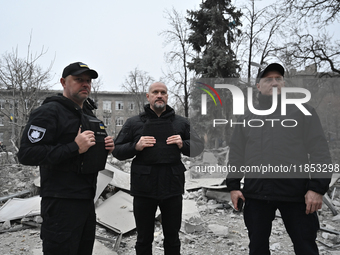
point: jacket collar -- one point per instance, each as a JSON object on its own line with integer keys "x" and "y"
{"x": 149, "y": 113}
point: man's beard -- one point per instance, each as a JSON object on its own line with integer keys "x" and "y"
{"x": 159, "y": 106}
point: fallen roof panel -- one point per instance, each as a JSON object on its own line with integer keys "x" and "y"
{"x": 120, "y": 178}
{"x": 17, "y": 208}
{"x": 116, "y": 213}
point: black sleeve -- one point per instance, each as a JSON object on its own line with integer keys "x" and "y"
{"x": 125, "y": 143}
{"x": 319, "y": 155}
{"x": 39, "y": 145}
{"x": 236, "y": 158}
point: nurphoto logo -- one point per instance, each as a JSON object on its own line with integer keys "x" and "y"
{"x": 238, "y": 99}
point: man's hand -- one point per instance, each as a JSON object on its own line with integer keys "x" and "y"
{"x": 313, "y": 201}
{"x": 175, "y": 139}
{"x": 145, "y": 141}
{"x": 109, "y": 144}
{"x": 235, "y": 195}
{"x": 85, "y": 140}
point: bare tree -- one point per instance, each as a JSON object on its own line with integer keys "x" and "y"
{"x": 253, "y": 31}
{"x": 260, "y": 38}
{"x": 96, "y": 86}
{"x": 137, "y": 83}
{"x": 22, "y": 86}
{"x": 177, "y": 58}
{"x": 321, "y": 50}
{"x": 320, "y": 12}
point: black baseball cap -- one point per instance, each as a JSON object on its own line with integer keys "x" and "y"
{"x": 272, "y": 67}
{"x": 79, "y": 68}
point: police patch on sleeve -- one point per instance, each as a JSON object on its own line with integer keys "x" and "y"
{"x": 35, "y": 134}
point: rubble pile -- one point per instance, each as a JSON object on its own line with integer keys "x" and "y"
{"x": 210, "y": 225}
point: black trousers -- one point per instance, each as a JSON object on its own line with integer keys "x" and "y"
{"x": 68, "y": 227}
{"x": 301, "y": 227}
{"x": 144, "y": 211}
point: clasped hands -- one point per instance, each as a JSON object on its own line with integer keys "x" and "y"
{"x": 149, "y": 141}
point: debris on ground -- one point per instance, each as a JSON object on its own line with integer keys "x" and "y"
{"x": 210, "y": 225}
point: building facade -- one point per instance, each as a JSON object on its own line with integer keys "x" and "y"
{"x": 114, "y": 108}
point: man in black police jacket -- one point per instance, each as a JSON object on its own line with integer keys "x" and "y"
{"x": 296, "y": 145}
{"x": 70, "y": 145}
{"x": 156, "y": 138}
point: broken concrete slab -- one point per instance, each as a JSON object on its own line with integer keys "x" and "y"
{"x": 17, "y": 208}
{"x": 219, "y": 230}
{"x": 219, "y": 195}
{"x": 7, "y": 158}
{"x": 101, "y": 249}
{"x": 336, "y": 218}
{"x": 24, "y": 192}
{"x": 193, "y": 224}
{"x": 334, "y": 179}
{"x": 116, "y": 213}
{"x": 331, "y": 237}
{"x": 191, "y": 218}
{"x": 209, "y": 157}
{"x": 103, "y": 179}
{"x": 275, "y": 247}
{"x": 120, "y": 179}
{"x": 6, "y": 225}
{"x": 326, "y": 199}
{"x": 191, "y": 184}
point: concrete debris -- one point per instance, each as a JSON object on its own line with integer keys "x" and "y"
{"x": 336, "y": 218}
{"x": 7, "y": 158}
{"x": 209, "y": 224}
{"x": 219, "y": 230}
{"x": 121, "y": 179}
{"x": 218, "y": 195}
{"x": 21, "y": 193}
{"x": 38, "y": 219}
{"x": 193, "y": 184}
{"x": 188, "y": 239}
{"x": 158, "y": 236}
{"x": 335, "y": 239}
{"x": 191, "y": 218}
{"x": 17, "y": 208}
{"x": 116, "y": 213}
{"x": 209, "y": 157}
{"x": 101, "y": 249}
{"x": 6, "y": 225}
{"x": 193, "y": 224}
{"x": 326, "y": 199}
{"x": 335, "y": 178}
{"x": 275, "y": 247}
{"x": 103, "y": 179}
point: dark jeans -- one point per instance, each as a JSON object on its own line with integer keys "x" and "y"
{"x": 144, "y": 211}
{"x": 301, "y": 227}
{"x": 68, "y": 226}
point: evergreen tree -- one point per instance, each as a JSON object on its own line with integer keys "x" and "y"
{"x": 214, "y": 28}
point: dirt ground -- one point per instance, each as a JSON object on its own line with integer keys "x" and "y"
{"x": 15, "y": 240}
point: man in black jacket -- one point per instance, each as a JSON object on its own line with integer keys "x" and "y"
{"x": 70, "y": 145}
{"x": 156, "y": 138}
{"x": 284, "y": 154}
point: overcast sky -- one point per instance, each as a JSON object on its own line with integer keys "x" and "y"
{"x": 113, "y": 37}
